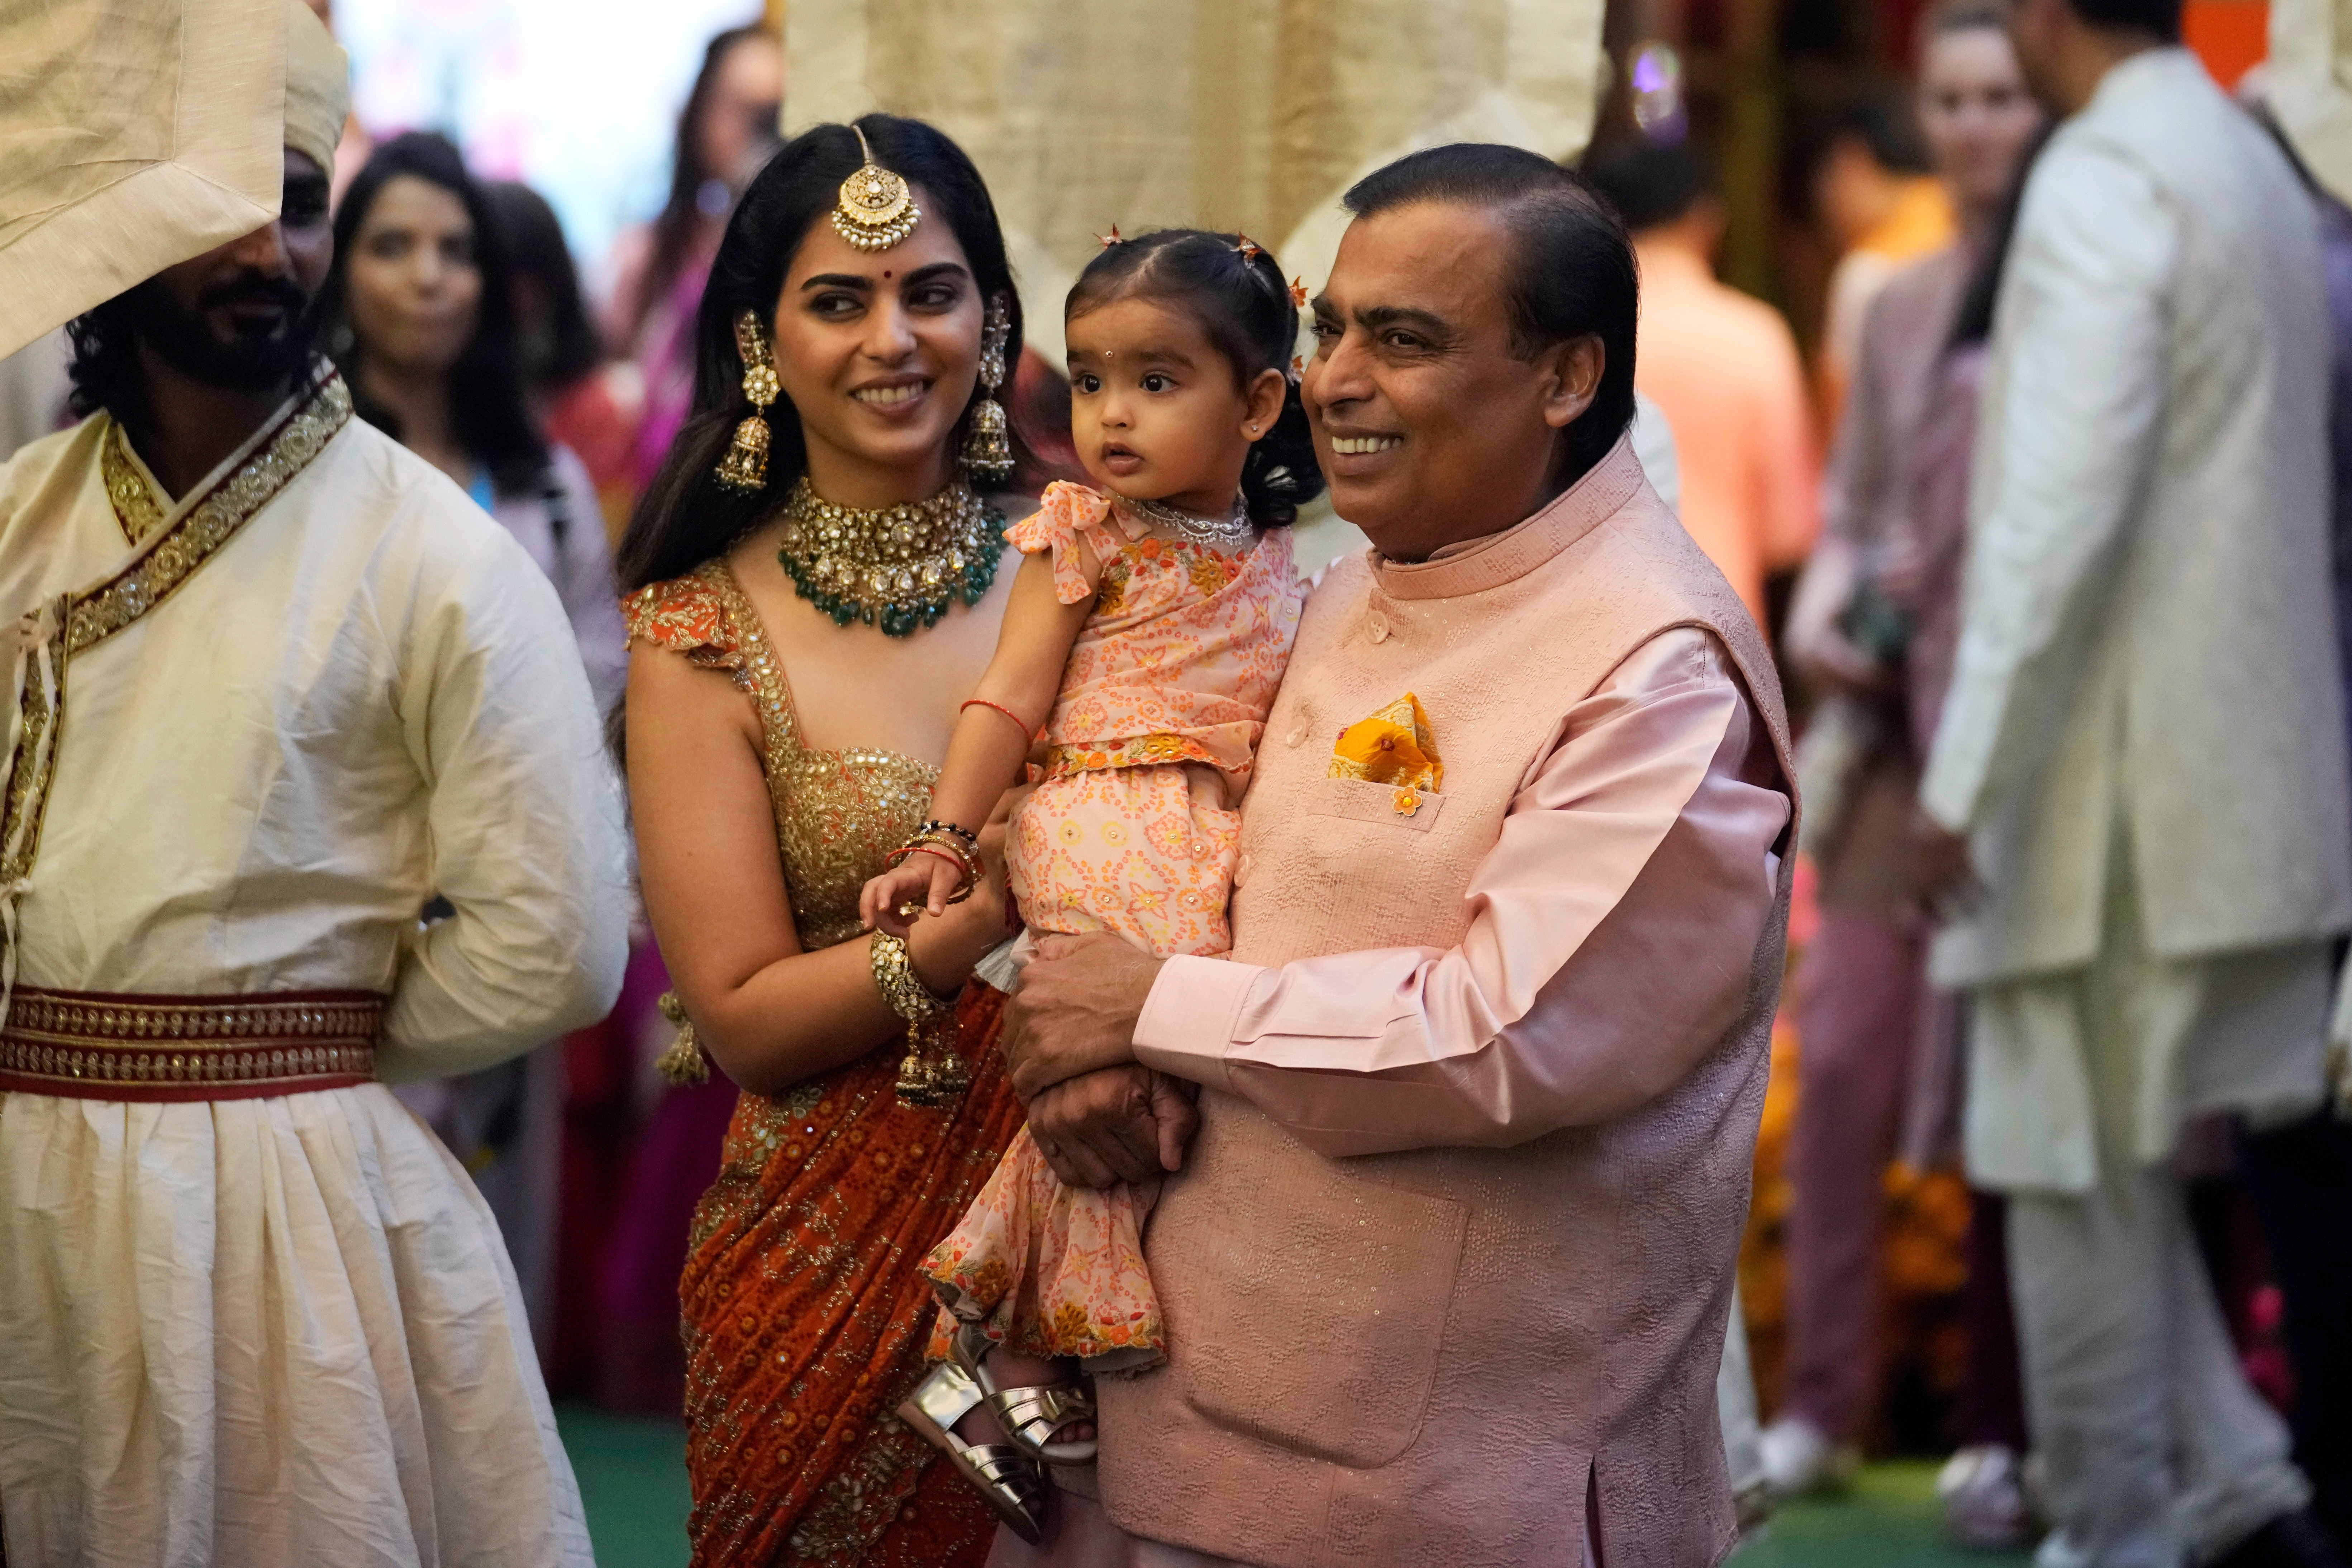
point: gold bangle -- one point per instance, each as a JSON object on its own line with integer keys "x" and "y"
{"x": 901, "y": 987}
{"x": 932, "y": 1075}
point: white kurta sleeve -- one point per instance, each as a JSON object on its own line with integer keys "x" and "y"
{"x": 524, "y": 821}
{"x": 2069, "y": 436}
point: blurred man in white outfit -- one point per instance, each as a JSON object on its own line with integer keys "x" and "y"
{"x": 2144, "y": 749}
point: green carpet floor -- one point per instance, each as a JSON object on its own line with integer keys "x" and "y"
{"x": 1889, "y": 1519}
{"x": 632, "y": 1477}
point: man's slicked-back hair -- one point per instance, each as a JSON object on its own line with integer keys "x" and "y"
{"x": 2159, "y": 18}
{"x": 1574, "y": 275}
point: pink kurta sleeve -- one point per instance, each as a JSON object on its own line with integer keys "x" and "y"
{"x": 1613, "y": 927}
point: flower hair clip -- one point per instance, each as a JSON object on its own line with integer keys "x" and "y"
{"x": 1113, "y": 238}
{"x": 1297, "y": 369}
{"x": 1248, "y": 249}
{"x": 1298, "y": 293}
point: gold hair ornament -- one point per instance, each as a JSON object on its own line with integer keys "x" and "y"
{"x": 876, "y": 210}
{"x": 988, "y": 446}
{"x": 745, "y": 467}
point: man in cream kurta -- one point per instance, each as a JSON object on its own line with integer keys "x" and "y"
{"x": 2144, "y": 744}
{"x": 250, "y": 1312}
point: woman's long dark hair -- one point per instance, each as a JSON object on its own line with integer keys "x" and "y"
{"x": 1236, "y": 292}
{"x": 686, "y": 516}
{"x": 569, "y": 347}
{"x": 489, "y": 412}
{"x": 674, "y": 226}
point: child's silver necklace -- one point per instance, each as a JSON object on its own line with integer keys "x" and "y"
{"x": 1214, "y": 533}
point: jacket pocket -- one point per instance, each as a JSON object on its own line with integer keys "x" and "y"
{"x": 1319, "y": 1328}
{"x": 1359, "y": 800}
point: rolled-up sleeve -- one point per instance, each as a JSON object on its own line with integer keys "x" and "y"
{"x": 1612, "y": 936}
{"x": 524, "y": 819}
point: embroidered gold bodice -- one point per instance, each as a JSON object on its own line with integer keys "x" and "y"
{"x": 837, "y": 813}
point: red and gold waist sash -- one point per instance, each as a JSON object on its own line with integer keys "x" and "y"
{"x": 83, "y": 1044}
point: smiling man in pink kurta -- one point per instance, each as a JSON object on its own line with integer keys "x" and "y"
{"x": 1446, "y": 1274}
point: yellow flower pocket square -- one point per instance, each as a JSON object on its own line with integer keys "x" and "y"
{"x": 1391, "y": 747}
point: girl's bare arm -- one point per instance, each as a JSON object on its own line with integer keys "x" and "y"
{"x": 987, "y": 748}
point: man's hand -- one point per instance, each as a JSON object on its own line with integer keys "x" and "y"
{"x": 1119, "y": 1124}
{"x": 1075, "y": 1010}
{"x": 1940, "y": 865}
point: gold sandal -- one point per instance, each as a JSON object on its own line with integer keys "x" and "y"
{"x": 1030, "y": 1415}
{"x": 1005, "y": 1476}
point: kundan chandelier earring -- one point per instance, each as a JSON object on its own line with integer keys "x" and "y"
{"x": 745, "y": 467}
{"x": 988, "y": 446}
{"x": 876, "y": 210}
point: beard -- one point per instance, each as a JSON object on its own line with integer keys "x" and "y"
{"x": 242, "y": 361}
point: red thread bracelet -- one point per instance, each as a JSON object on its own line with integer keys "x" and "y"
{"x": 1001, "y": 708}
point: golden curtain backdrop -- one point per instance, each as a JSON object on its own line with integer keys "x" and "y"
{"x": 1247, "y": 114}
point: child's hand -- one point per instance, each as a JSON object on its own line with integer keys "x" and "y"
{"x": 921, "y": 878}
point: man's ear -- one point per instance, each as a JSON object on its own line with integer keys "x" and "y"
{"x": 1571, "y": 379}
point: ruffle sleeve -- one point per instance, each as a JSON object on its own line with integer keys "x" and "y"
{"x": 1065, "y": 513}
{"x": 686, "y": 616}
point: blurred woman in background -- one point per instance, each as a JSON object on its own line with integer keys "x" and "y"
{"x": 727, "y": 130}
{"x": 583, "y": 400}
{"x": 1873, "y": 630}
{"x": 422, "y": 318}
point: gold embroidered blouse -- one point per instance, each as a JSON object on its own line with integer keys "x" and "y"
{"x": 838, "y": 813}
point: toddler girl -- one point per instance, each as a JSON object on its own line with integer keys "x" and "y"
{"x": 1147, "y": 633}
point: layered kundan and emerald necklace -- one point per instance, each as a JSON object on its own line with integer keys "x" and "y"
{"x": 898, "y": 568}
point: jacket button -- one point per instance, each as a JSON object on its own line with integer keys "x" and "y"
{"x": 1241, "y": 870}
{"x": 1378, "y": 624}
{"x": 1297, "y": 737}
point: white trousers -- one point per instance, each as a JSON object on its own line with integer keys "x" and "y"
{"x": 2158, "y": 1454}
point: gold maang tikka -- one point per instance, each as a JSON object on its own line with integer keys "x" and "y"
{"x": 988, "y": 446}
{"x": 745, "y": 467}
{"x": 876, "y": 210}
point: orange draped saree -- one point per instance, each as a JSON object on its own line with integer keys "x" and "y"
{"x": 805, "y": 1317}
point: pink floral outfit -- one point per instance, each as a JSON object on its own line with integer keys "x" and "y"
{"x": 1133, "y": 828}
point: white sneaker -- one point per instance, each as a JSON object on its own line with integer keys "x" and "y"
{"x": 1984, "y": 1493}
{"x": 1799, "y": 1459}
{"x": 2057, "y": 1552}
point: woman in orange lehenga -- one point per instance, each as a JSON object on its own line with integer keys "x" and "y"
{"x": 814, "y": 595}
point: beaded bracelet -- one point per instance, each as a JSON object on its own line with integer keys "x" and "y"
{"x": 966, "y": 834}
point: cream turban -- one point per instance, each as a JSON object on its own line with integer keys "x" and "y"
{"x": 137, "y": 133}
{"x": 318, "y": 86}
{"x": 2309, "y": 87}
